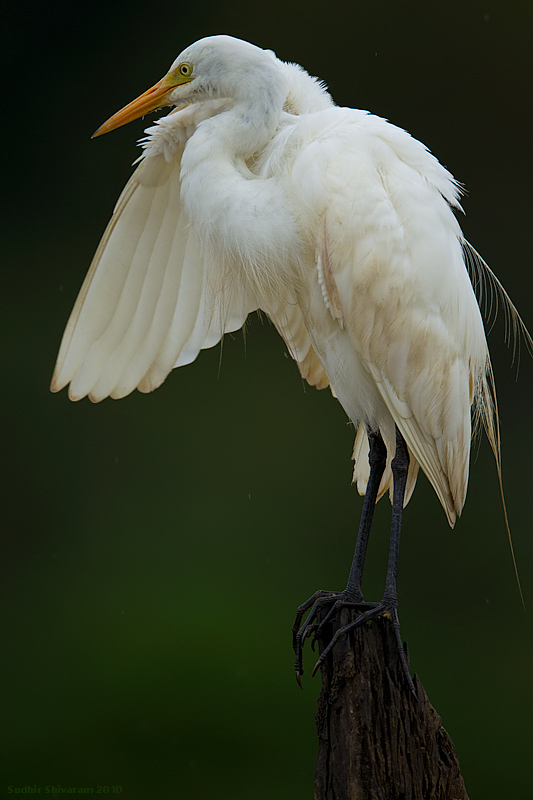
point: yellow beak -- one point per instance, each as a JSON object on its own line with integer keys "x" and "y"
{"x": 151, "y": 100}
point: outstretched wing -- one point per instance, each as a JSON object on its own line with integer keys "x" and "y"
{"x": 151, "y": 299}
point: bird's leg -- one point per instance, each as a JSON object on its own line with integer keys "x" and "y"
{"x": 400, "y": 468}
{"x": 352, "y": 595}
{"x": 377, "y": 457}
{"x": 388, "y": 607}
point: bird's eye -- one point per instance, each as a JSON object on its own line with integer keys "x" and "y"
{"x": 185, "y": 69}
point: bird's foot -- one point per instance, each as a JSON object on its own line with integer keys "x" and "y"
{"x": 387, "y": 607}
{"x": 311, "y": 628}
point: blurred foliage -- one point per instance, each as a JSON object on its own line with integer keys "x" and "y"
{"x": 155, "y": 549}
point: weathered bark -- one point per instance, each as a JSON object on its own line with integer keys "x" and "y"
{"x": 376, "y": 741}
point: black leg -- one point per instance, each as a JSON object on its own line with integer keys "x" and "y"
{"x": 352, "y": 597}
{"x": 400, "y": 468}
{"x": 377, "y": 458}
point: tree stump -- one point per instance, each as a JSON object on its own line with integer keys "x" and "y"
{"x": 376, "y": 740}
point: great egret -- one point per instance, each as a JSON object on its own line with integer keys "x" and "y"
{"x": 258, "y": 192}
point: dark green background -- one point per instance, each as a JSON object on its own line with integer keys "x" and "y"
{"x": 154, "y": 549}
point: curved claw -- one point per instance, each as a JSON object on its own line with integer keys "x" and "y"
{"x": 335, "y": 638}
{"x": 382, "y": 609}
{"x": 300, "y": 634}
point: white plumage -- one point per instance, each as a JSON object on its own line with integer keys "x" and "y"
{"x": 257, "y": 192}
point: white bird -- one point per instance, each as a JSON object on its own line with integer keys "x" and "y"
{"x": 258, "y": 192}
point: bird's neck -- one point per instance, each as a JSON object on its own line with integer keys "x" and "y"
{"x": 238, "y": 215}
{"x": 244, "y": 129}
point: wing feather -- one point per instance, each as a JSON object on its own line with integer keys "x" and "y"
{"x": 184, "y": 317}
{"x": 136, "y": 313}
{"x": 161, "y": 319}
{"x": 152, "y": 298}
{"x": 424, "y": 447}
{"x": 289, "y": 321}
{"x": 96, "y": 301}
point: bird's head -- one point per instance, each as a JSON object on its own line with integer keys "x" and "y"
{"x": 217, "y": 66}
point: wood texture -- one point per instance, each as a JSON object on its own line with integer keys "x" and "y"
{"x": 376, "y": 741}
